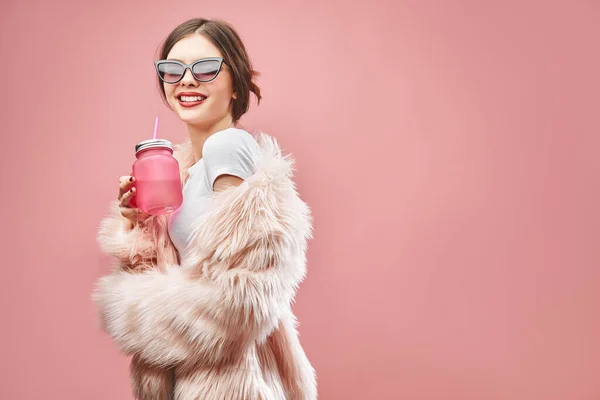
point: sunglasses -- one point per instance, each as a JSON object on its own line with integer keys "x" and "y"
{"x": 203, "y": 70}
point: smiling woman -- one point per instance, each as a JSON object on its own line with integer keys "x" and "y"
{"x": 214, "y": 53}
{"x": 201, "y": 299}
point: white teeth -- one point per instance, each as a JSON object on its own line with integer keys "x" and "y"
{"x": 191, "y": 98}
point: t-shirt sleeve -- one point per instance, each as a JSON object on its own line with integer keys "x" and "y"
{"x": 230, "y": 153}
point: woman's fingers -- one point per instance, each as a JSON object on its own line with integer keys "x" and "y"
{"x": 130, "y": 213}
{"x": 126, "y": 193}
{"x": 126, "y": 197}
{"x": 125, "y": 183}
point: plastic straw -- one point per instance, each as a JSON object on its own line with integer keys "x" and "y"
{"x": 155, "y": 128}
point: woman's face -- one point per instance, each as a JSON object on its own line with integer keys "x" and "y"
{"x": 214, "y": 107}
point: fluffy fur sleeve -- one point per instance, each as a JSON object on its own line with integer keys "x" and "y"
{"x": 249, "y": 259}
{"x": 139, "y": 248}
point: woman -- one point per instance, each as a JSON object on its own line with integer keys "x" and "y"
{"x": 201, "y": 299}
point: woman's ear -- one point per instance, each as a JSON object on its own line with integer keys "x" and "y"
{"x": 234, "y": 95}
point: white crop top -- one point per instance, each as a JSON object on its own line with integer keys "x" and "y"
{"x": 232, "y": 152}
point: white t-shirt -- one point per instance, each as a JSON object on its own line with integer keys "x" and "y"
{"x": 232, "y": 152}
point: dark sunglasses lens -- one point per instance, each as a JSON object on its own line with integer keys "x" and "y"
{"x": 170, "y": 72}
{"x": 206, "y": 70}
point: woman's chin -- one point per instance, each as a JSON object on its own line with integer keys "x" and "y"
{"x": 190, "y": 116}
{"x": 198, "y": 116}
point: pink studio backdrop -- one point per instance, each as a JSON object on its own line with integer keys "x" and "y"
{"x": 448, "y": 151}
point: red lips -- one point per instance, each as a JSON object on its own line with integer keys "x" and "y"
{"x": 188, "y": 104}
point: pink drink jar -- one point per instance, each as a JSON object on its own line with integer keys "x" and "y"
{"x": 157, "y": 179}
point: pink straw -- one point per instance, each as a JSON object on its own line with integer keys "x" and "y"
{"x": 155, "y": 128}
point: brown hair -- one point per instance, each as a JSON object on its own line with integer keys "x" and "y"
{"x": 229, "y": 43}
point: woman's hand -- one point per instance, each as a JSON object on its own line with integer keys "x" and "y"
{"x": 126, "y": 193}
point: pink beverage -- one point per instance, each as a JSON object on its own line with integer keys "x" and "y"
{"x": 157, "y": 179}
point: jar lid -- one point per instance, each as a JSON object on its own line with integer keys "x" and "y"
{"x": 153, "y": 143}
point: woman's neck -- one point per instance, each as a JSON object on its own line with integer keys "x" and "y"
{"x": 198, "y": 134}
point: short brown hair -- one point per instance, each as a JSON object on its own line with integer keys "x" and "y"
{"x": 229, "y": 43}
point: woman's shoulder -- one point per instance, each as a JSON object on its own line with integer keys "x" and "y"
{"x": 230, "y": 138}
{"x": 232, "y": 151}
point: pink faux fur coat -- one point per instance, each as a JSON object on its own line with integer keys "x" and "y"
{"x": 221, "y": 326}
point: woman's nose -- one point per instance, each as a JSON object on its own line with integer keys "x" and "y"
{"x": 188, "y": 79}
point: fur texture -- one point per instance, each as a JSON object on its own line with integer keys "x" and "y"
{"x": 220, "y": 326}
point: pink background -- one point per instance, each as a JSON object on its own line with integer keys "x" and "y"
{"x": 448, "y": 151}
